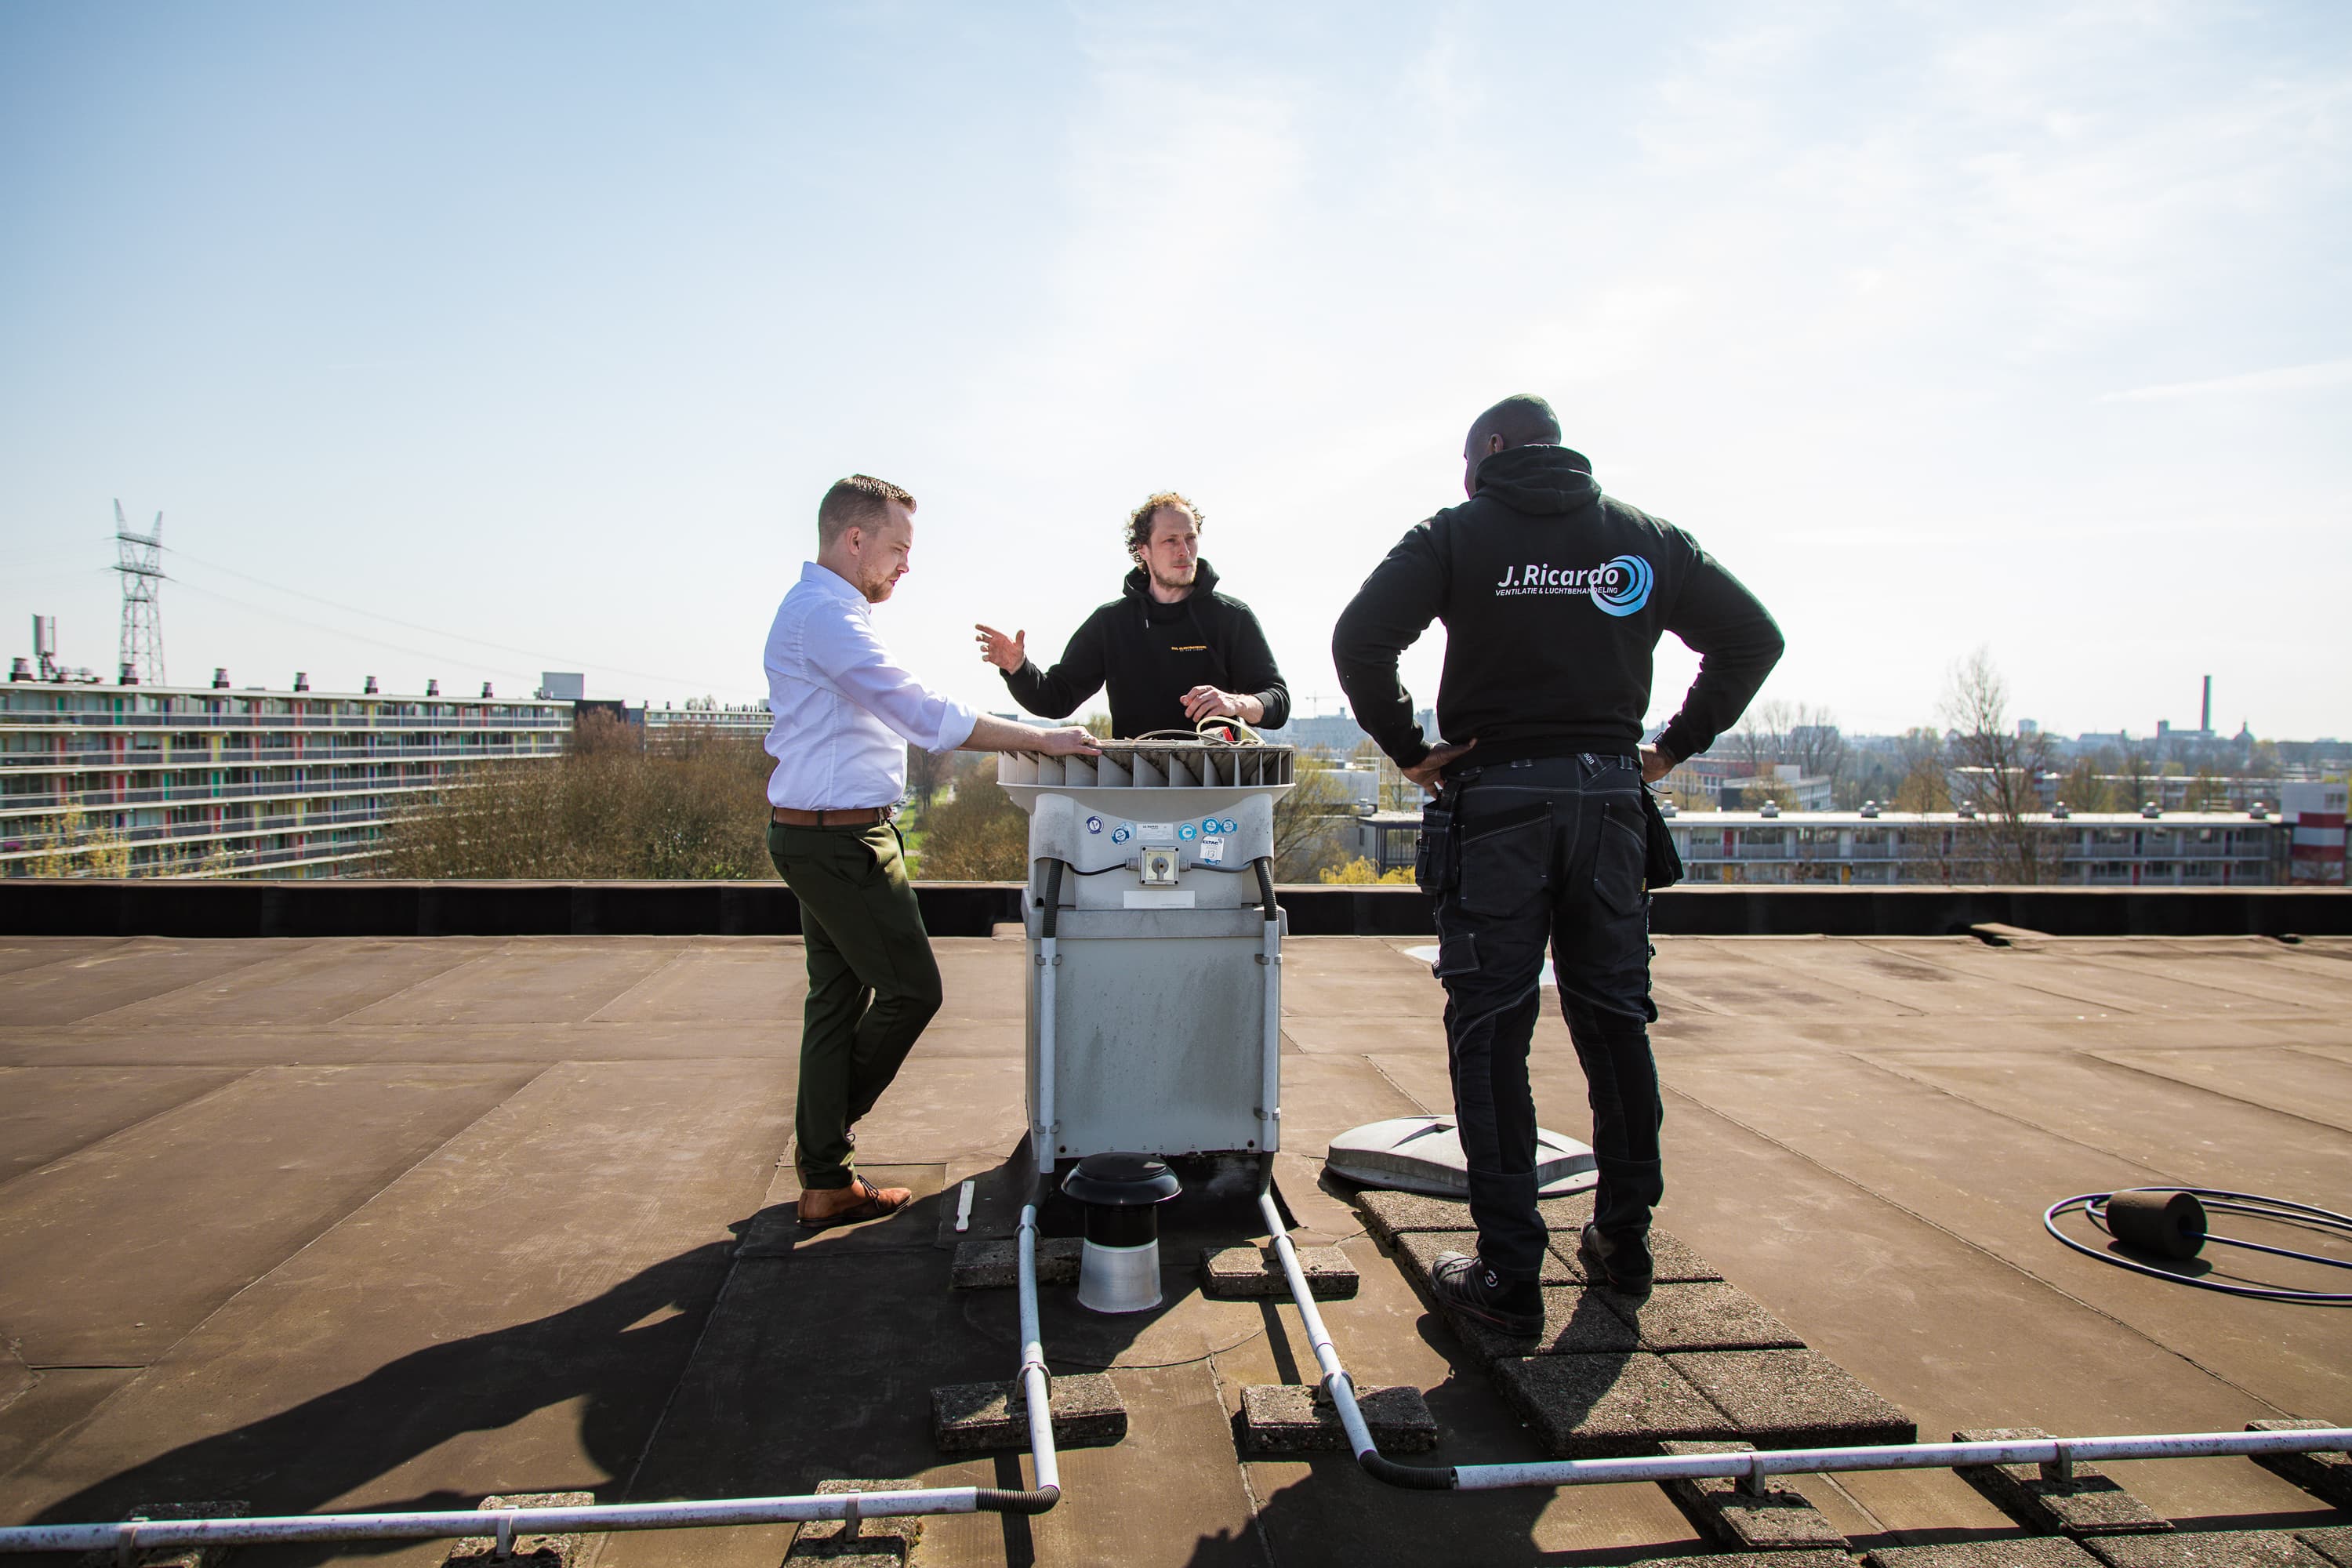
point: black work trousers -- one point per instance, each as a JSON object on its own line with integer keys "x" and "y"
{"x": 1546, "y": 853}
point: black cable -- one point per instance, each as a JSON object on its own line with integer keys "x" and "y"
{"x": 2280, "y": 1211}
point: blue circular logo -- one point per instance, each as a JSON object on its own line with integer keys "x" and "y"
{"x": 1188, "y": 832}
{"x": 1230, "y": 826}
{"x": 1622, "y": 586}
{"x": 1121, "y": 834}
{"x": 1094, "y": 824}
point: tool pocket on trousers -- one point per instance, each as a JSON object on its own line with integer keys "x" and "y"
{"x": 1456, "y": 954}
{"x": 1505, "y": 861}
{"x": 1432, "y": 853}
{"x": 1621, "y": 857}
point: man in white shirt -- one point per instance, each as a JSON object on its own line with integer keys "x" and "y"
{"x": 844, "y": 715}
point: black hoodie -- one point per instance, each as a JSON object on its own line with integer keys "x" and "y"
{"x": 1554, "y": 598}
{"x": 1150, "y": 654}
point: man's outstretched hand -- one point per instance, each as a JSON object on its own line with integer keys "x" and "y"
{"x": 1007, "y": 653}
{"x": 1071, "y": 740}
{"x": 1424, "y": 772}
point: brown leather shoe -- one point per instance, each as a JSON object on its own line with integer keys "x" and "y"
{"x": 821, "y": 1207}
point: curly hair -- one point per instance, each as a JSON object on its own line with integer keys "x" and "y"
{"x": 1139, "y": 522}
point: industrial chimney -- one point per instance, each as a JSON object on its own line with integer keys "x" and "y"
{"x": 2205, "y": 717}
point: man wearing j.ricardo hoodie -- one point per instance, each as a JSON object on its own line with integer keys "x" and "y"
{"x": 1554, "y": 596}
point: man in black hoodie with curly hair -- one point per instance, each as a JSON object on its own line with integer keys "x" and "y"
{"x": 1554, "y": 596}
{"x": 1171, "y": 648}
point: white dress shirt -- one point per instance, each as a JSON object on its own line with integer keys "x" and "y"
{"x": 845, "y": 713}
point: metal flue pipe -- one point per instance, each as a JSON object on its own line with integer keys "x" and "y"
{"x": 127, "y": 1536}
{"x": 1751, "y": 1469}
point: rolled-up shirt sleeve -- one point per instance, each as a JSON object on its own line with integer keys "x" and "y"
{"x": 842, "y": 647}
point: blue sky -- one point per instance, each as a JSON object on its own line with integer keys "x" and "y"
{"x": 521, "y": 337}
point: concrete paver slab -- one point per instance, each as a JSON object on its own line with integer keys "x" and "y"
{"x": 1801, "y": 1558}
{"x": 2043, "y": 1552}
{"x": 2091, "y": 1503}
{"x": 1250, "y": 1273}
{"x": 53, "y": 1400}
{"x": 2217, "y": 1549}
{"x": 1705, "y": 1316}
{"x": 532, "y": 1549}
{"x": 1289, "y": 1418}
{"x": 116, "y": 1251}
{"x": 2332, "y": 1542}
{"x": 2328, "y": 1477}
{"x": 1417, "y": 1252}
{"x": 1779, "y": 1517}
{"x": 1592, "y": 1406}
{"x": 994, "y": 1263}
{"x": 1673, "y": 1261}
{"x": 1793, "y": 1399}
{"x": 1576, "y": 1322}
{"x": 975, "y": 1417}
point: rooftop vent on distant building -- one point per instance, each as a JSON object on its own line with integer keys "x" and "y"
{"x": 301, "y": 681}
{"x": 432, "y": 689}
{"x": 369, "y": 689}
{"x": 2151, "y": 809}
{"x": 2059, "y": 810}
{"x": 1869, "y": 809}
{"x": 486, "y": 689}
{"x": 1666, "y": 808}
{"x": 130, "y": 675}
{"x": 220, "y": 678}
{"x": 1769, "y": 808}
{"x": 2258, "y": 811}
{"x": 22, "y": 669}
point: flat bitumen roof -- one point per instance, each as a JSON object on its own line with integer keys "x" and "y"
{"x": 398, "y": 1223}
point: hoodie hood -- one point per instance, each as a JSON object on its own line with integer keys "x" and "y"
{"x": 1137, "y": 587}
{"x": 1539, "y": 479}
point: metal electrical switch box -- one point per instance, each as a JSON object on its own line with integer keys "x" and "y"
{"x": 1160, "y": 868}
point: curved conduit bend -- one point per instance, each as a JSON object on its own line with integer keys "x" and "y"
{"x": 2058, "y": 1455}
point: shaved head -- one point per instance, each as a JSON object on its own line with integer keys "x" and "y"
{"x": 1520, "y": 420}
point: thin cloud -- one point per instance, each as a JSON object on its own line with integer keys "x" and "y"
{"x": 2286, "y": 378}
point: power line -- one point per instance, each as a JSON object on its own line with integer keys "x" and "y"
{"x": 675, "y": 680}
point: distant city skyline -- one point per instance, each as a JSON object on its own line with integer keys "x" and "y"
{"x": 468, "y": 342}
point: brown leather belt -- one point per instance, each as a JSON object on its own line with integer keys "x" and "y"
{"x": 865, "y": 816}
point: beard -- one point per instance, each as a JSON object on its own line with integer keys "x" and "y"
{"x": 1184, "y": 579}
{"x": 877, "y": 589}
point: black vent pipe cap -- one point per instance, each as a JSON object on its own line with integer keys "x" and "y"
{"x": 1121, "y": 1181}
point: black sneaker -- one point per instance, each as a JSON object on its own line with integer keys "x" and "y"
{"x": 1476, "y": 1291}
{"x": 1624, "y": 1260}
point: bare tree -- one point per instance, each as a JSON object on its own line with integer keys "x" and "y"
{"x": 1309, "y": 824}
{"x": 1998, "y": 768}
{"x": 1927, "y": 783}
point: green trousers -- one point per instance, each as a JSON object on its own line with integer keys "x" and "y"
{"x": 872, "y": 982}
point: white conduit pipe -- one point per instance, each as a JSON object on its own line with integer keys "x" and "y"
{"x": 502, "y": 1525}
{"x": 2058, "y": 1454}
{"x": 1041, "y": 1128}
{"x": 1270, "y": 1083}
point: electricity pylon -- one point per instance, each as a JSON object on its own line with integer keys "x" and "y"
{"x": 139, "y": 557}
